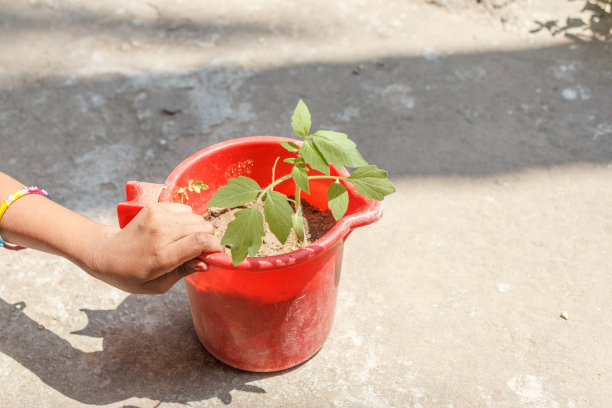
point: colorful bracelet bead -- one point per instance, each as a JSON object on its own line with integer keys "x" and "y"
{"x": 10, "y": 200}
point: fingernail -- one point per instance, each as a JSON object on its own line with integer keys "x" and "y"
{"x": 201, "y": 267}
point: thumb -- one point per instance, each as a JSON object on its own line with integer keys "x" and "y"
{"x": 192, "y": 245}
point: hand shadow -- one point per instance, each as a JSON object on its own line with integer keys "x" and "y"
{"x": 150, "y": 350}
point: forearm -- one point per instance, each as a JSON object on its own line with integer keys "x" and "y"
{"x": 36, "y": 222}
{"x": 157, "y": 248}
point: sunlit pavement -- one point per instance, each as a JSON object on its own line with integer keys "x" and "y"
{"x": 492, "y": 122}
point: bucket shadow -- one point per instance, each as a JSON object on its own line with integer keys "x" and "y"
{"x": 150, "y": 350}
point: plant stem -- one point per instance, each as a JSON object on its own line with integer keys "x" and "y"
{"x": 298, "y": 201}
{"x": 271, "y": 186}
{"x": 275, "y": 183}
{"x": 327, "y": 177}
{"x": 274, "y": 169}
{"x": 298, "y": 211}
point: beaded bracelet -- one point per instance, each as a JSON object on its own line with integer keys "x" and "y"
{"x": 10, "y": 200}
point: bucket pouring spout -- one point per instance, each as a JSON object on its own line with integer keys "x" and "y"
{"x": 138, "y": 195}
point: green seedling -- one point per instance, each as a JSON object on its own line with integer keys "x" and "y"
{"x": 192, "y": 186}
{"x": 317, "y": 151}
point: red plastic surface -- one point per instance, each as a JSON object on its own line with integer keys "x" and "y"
{"x": 269, "y": 313}
{"x": 138, "y": 195}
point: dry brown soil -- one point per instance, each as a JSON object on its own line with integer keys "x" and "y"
{"x": 316, "y": 224}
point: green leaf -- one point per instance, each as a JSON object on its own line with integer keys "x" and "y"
{"x": 313, "y": 157}
{"x": 338, "y": 149}
{"x": 371, "y": 182}
{"x": 244, "y": 234}
{"x": 298, "y": 225}
{"x": 237, "y": 192}
{"x": 278, "y": 214}
{"x": 338, "y": 199}
{"x": 300, "y": 121}
{"x": 300, "y": 176}
{"x": 198, "y": 186}
{"x": 294, "y": 160}
{"x": 292, "y": 147}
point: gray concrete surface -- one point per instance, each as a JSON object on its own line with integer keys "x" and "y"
{"x": 494, "y": 125}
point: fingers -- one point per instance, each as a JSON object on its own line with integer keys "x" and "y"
{"x": 171, "y": 256}
{"x": 189, "y": 267}
{"x": 193, "y": 245}
{"x": 166, "y": 237}
{"x": 163, "y": 283}
{"x": 175, "y": 220}
{"x": 192, "y": 223}
{"x": 173, "y": 207}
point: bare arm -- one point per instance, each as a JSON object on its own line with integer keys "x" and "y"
{"x": 149, "y": 255}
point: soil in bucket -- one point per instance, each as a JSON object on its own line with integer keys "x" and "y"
{"x": 316, "y": 224}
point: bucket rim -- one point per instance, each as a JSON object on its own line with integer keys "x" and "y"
{"x": 370, "y": 213}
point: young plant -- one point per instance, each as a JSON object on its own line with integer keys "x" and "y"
{"x": 317, "y": 151}
{"x": 192, "y": 186}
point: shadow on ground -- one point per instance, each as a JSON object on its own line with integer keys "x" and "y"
{"x": 465, "y": 115}
{"x": 598, "y": 27}
{"x": 150, "y": 351}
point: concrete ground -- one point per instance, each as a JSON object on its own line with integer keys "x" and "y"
{"x": 493, "y": 119}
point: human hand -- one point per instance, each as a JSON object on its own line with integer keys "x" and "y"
{"x": 155, "y": 250}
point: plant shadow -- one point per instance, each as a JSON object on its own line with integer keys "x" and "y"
{"x": 150, "y": 350}
{"x": 597, "y": 28}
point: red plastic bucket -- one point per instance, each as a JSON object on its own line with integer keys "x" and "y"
{"x": 269, "y": 313}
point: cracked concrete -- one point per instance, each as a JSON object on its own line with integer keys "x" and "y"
{"x": 496, "y": 132}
